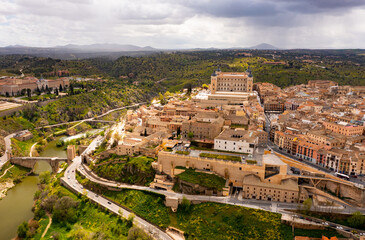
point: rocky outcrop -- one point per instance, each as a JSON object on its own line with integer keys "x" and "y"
{"x": 4, "y": 187}
{"x": 125, "y": 173}
{"x": 191, "y": 188}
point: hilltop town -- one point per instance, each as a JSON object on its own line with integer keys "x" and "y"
{"x": 246, "y": 141}
{"x": 297, "y": 152}
{"x": 229, "y": 129}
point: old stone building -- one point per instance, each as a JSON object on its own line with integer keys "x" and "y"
{"x": 265, "y": 180}
{"x": 344, "y": 128}
{"x": 203, "y": 129}
{"x": 14, "y": 86}
{"x": 231, "y": 81}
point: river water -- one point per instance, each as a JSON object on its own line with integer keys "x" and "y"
{"x": 16, "y": 207}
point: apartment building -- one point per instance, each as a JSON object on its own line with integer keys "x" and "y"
{"x": 286, "y": 141}
{"x": 344, "y": 128}
{"x": 235, "y": 140}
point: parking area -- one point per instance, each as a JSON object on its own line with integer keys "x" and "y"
{"x": 8, "y": 105}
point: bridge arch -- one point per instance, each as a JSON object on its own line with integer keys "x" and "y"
{"x": 29, "y": 162}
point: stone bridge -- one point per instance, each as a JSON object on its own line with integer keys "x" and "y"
{"x": 29, "y": 162}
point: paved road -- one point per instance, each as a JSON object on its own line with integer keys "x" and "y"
{"x": 233, "y": 200}
{"x": 70, "y": 179}
{"x": 4, "y": 158}
{"x": 266, "y": 205}
{"x": 90, "y": 119}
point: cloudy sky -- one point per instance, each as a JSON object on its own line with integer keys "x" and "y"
{"x": 184, "y": 23}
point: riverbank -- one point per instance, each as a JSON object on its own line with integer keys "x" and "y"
{"x": 31, "y": 148}
{"x": 9, "y": 176}
{"x": 74, "y": 216}
{"x": 16, "y": 207}
{"x": 20, "y": 188}
{"x": 4, "y": 187}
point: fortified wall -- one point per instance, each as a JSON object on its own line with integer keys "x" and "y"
{"x": 234, "y": 171}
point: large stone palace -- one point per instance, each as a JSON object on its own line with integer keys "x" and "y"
{"x": 241, "y": 82}
{"x": 14, "y": 86}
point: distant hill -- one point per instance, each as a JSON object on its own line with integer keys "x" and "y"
{"x": 106, "y": 47}
{"x": 72, "y": 51}
{"x": 264, "y": 46}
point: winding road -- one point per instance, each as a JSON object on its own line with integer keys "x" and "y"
{"x": 70, "y": 179}
{"x": 7, "y": 139}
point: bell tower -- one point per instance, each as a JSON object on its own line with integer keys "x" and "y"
{"x": 213, "y": 82}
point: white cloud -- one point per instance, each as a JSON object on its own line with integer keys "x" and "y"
{"x": 183, "y": 24}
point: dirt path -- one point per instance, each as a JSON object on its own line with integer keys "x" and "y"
{"x": 49, "y": 224}
{"x": 32, "y": 149}
{"x": 6, "y": 171}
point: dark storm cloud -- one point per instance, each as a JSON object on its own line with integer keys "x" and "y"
{"x": 233, "y": 8}
{"x": 329, "y": 4}
{"x": 267, "y": 8}
{"x": 321, "y": 6}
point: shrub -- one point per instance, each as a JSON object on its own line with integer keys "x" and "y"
{"x": 185, "y": 205}
{"x": 251, "y": 161}
{"x": 55, "y": 235}
{"x": 60, "y": 143}
{"x": 183, "y": 152}
{"x": 357, "y": 220}
{"x": 136, "y": 233}
{"x": 45, "y": 177}
{"x": 219, "y": 156}
{"x": 65, "y": 209}
{"x": 209, "y": 181}
{"x": 23, "y": 229}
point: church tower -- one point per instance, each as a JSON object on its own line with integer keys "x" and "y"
{"x": 213, "y": 82}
